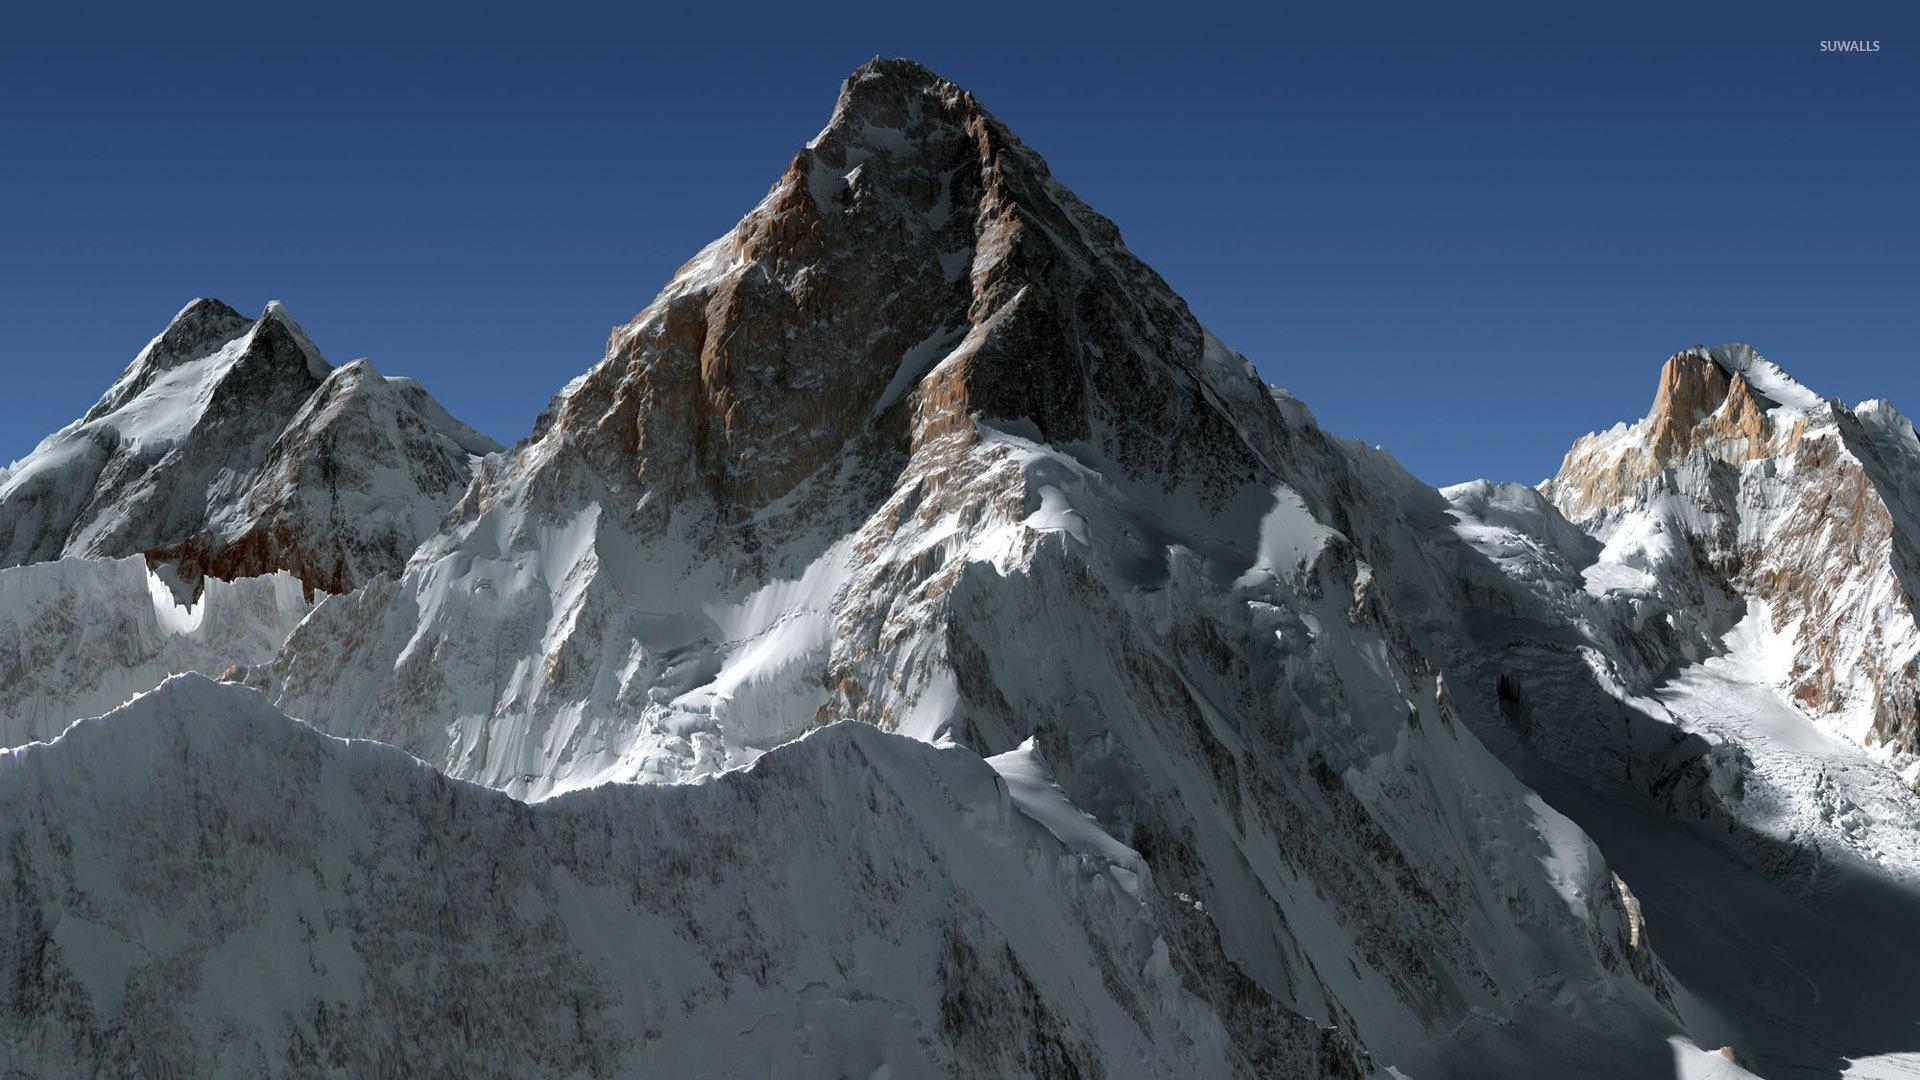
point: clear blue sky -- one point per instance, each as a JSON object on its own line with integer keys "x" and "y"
{"x": 1468, "y": 235}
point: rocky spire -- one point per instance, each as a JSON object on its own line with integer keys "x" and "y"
{"x": 1724, "y": 400}
{"x": 1701, "y": 399}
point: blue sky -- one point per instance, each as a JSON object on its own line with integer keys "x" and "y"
{"x": 1469, "y": 234}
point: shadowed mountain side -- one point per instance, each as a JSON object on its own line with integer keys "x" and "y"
{"x": 196, "y": 885}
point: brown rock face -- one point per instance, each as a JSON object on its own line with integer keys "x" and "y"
{"x": 1692, "y": 388}
{"x": 263, "y": 549}
{"x": 914, "y": 271}
{"x": 111, "y": 485}
{"x": 359, "y": 477}
{"x": 919, "y": 443}
{"x": 1700, "y": 405}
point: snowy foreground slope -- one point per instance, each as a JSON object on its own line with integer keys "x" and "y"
{"x": 230, "y": 447}
{"x": 196, "y": 885}
{"x": 1187, "y": 739}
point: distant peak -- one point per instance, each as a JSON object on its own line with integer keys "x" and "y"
{"x": 354, "y": 377}
{"x": 276, "y": 315}
{"x": 202, "y": 308}
{"x": 276, "y": 312}
{"x": 1730, "y": 385}
{"x": 200, "y": 327}
{"x": 880, "y": 71}
{"x": 196, "y": 331}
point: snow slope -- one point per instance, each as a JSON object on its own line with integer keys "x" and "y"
{"x": 199, "y": 886}
{"x": 1703, "y": 668}
{"x": 1743, "y": 482}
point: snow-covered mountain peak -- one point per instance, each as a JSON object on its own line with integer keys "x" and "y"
{"x": 358, "y": 384}
{"x": 1177, "y": 710}
{"x": 1739, "y": 363}
{"x": 278, "y": 316}
{"x": 199, "y": 439}
{"x": 774, "y": 371}
{"x": 1742, "y": 482}
{"x": 202, "y": 325}
{"x": 209, "y": 350}
{"x": 361, "y": 377}
{"x": 1763, "y": 375}
{"x": 200, "y": 328}
{"x": 920, "y": 443}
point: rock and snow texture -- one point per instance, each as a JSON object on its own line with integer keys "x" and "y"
{"x": 80, "y": 636}
{"x": 1703, "y": 651}
{"x": 229, "y": 448}
{"x": 1190, "y": 732}
{"x": 196, "y": 885}
{"x": 1742, "y": 483}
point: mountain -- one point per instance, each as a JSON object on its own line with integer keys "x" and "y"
{"x": 230, "y": 448}
{"x": 1756, "y": 488}
{"x": 1698, "y": 653}
{"x": 919, "y": 443}
{"x": 919, "y": 647}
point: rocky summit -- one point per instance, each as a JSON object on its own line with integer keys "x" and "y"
{"x": 917, "y": 647}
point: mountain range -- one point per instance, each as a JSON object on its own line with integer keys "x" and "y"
{"x": 918, "y": 647}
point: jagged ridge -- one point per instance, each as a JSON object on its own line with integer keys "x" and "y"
{"x": 231, "y": 448}
{"x": 856, "y": 901}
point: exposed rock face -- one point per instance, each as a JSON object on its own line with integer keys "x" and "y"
{"x": 1761, "y": 490}
{"x": 1704, "y": 402}
{"x": 775, "y": 402}
{"x": 202, "y": 328}
{"x": 1700, "y": 403}
{"x": 1066, "y": 701}
{"x": 772, "y": 382}
{"x": 229, "y": 447}
{"x": 146, "y": 462}
{"x": 1710, "y": 640}
{"x": 361, "y": 474}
